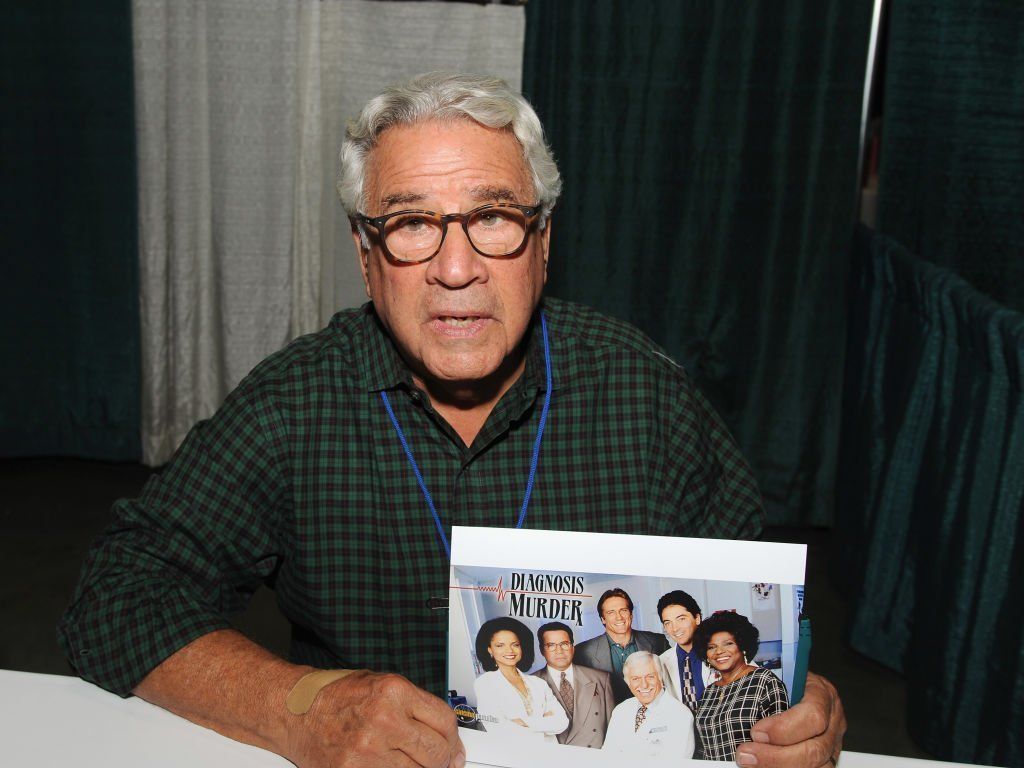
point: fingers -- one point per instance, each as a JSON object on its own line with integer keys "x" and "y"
{"x": 808, "y": 735}
{"x": 811, "y": 753}
{"x": 807, "y": 719}
{"x": 438, "y": 716}
{"x": 429, "y": 710}
{"x": 459, "y": 758}
{"x": 380, "y": 720}
{"x": 425, "y": 746}
{"x": 426, "y": 729}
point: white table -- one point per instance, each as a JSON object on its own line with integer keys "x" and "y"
{"x": 49, "y": 720}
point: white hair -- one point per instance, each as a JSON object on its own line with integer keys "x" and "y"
{"x": 638, "y": 656}
{"x": 443, "y": 96}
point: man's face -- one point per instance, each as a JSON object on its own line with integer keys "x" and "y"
{"x": 557, "y": 649}
{"x": 616, "y": 616}
{"x": 460, "y": 317}
{"x": 644, "y": 681}
{"x": 679, "y": 624}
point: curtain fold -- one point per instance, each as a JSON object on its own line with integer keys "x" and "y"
{"x": 240, "y": 110}
{"x": 709, "y": 153}
{"x": 931, "y": 515}
{"x": 952, "y": 171}
{"x": 68, "y": 294}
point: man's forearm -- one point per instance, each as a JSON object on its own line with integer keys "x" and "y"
{"x": 226, "y": 682}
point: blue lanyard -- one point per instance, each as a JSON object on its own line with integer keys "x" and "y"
{"x": 533, "y": 461}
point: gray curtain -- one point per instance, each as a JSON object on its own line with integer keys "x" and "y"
{"x": 241, "y": 111}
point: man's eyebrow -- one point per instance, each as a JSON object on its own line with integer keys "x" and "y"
{"x": 486, "y": 193}
{"x": 401, "y": 198}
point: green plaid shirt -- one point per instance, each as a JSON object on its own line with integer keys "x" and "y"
{"x": 300, "y": 482}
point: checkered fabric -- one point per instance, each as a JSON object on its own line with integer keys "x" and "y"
{"x": 299, "y": 482}
{"x": 727, "y": 713}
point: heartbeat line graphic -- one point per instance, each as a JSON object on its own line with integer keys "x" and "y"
{"x": 501, "y": 591}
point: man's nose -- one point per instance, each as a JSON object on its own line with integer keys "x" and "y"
{"x": 457, "y": 264}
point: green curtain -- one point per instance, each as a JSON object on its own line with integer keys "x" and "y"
{"x": 709, "y": 151}
{"x": 69, "y": 292}
{"x": 951, "y": 187}
{"x": 931, "y": 513}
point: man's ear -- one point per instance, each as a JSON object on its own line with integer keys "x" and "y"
{"x": 545, "y": 244}
{"x": 363, "y": 254}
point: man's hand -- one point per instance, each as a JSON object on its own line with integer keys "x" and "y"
{"x": 808, "y": 735}
{"x": 375, "y": 720}
{"x": 226, "y": 682}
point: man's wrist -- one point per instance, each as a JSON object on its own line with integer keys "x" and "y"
{"x": 302, "y": 695}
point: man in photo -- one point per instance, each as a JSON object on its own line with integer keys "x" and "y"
{"x": 608, "y": 652}
{"x": 651, "y": 723}
{"x": 687, "y": 673}
{"x": 584, "y": 693}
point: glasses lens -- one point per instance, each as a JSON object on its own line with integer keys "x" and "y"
{"x": 497, "y": 231}
{"x": 412, "y": 236}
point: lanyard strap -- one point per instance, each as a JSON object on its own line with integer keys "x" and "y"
{"x": 533, "y": 461}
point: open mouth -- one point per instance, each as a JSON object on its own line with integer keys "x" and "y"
{"x": 460, "y": 321}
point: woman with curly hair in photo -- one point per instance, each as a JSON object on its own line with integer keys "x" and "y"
{"x": 743, "y": 694}
{"x": 509, "y": 701}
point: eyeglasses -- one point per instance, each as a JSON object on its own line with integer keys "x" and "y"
{"x": 565, "y": 645}
{"x": 494, "y": 230}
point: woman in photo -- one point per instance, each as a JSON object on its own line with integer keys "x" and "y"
{"x": 743, "y": 694}
{"x": 509, "y": 701}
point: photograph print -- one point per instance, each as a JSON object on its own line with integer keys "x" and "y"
{"x": 657, "y": 658}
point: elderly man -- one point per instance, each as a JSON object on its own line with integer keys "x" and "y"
{"x": 610, "y": 650}
{"x": 584, "y": 693}
{"x": 652, "y": 723}
{"x": 334, "y": 472}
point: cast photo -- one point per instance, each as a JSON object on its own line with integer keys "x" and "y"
{"x": 644, "y": 667}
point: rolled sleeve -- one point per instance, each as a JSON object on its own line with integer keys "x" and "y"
{"x": 175, "y": 563}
